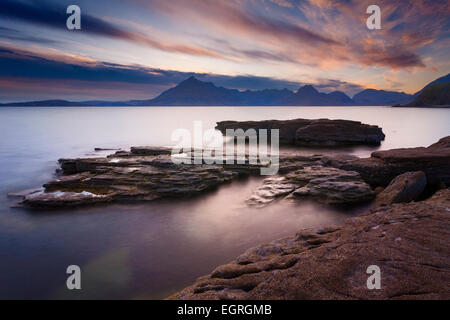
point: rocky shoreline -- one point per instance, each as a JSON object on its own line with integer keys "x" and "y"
{"x": 148, "y": 174}
{"x": 409, "y": 242}
{"x": 406, "y": 233}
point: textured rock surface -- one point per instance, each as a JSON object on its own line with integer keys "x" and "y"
{"x": 321, "y": 132}
{"x": 325, "y": 184}
{"x": 404, "y": 188}
{"x": 409, "y": 242}
{"x": 270, "y": 190}
{"x": 148, "y": 173}
{"x": 383, "y": 166}
{"x": 143, "y": 174}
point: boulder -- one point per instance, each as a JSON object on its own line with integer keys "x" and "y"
{"x": 403, "y": 188}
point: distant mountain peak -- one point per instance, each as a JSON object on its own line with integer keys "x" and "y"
{"x": 307, "y": 89}
{"x": 190, "y": 80}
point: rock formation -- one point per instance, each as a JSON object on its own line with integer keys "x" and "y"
{"x": 383, "y": 166}
{"x": 148, "y": 173}
{"x": 321, "y": 132}
{"x": 325, "y": 184}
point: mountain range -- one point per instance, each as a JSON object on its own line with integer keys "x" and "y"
{"x": 193, "y": 92}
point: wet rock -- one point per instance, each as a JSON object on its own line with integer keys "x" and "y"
{"x": 409, "y": 242}
{"x": 404, "y": 188}
{"x": 321, "y": 132}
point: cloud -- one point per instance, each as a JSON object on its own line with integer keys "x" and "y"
{"x": 323, "y": 34}
{"x": 54, "y": 16}
{"x": 230, "y": 15}
{"x": 31, "y": 75}
{"x": 16, "y": 35}
{"x": 407, "y": 27}
{"x": 315, "y": 33}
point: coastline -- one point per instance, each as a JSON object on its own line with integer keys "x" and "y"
{"x": 353, "y": 180}
{"x": 409, "y": 242}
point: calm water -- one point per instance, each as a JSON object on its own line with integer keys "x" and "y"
{"x": 151, "y": 250}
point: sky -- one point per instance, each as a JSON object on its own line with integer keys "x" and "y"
{"x": 136, "y": 49}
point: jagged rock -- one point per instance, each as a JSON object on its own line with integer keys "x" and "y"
{"x": 404, "y": 188}
{"x": 409, "y": 242}
{"x": 321, "y": 132}
{"x": 383, "y": 166}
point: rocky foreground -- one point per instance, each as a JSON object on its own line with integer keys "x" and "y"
{"x": 406, "y": 233}
{"x": 409, "y": 242}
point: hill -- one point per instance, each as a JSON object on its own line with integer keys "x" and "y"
{"x": 435, "y": 96}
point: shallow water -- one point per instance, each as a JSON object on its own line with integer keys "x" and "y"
{"x": 152, "y": 250}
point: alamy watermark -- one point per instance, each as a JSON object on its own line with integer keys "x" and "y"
{"x": 374, "y": 20}
{"x": 73, "y": 282}
{"x": 209, "y": 147}
{"x": 74, "y": 20}
{"x": 374, "y": 281}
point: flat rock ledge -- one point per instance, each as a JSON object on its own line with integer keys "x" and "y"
{"x": 408, "y": 242}
{"x": 141, "y": 174}
{"x": 313, "y": 133}
{"x": 148, "y": 174}
{"x": 383, "y": 166}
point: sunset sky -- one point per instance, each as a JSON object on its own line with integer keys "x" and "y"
{"x": 136, "y": 49}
